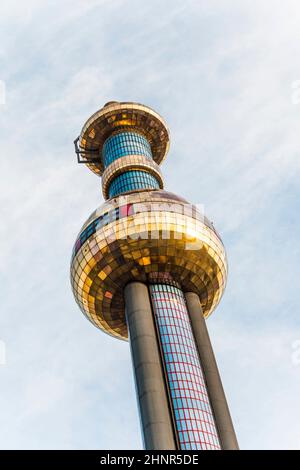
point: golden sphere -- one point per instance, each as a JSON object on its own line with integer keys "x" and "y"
{"x": 150, "y": 236}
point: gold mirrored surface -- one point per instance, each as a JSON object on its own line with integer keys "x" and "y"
{"x": 145, "y": 236}
{"x": 114, "y": 117}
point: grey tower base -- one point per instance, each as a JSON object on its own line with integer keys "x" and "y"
{"x": 151, "y": 391}
{"x": 214, "y": 385}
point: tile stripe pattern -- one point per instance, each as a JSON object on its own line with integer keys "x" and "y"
{"x": 123, "y": 144}
{"x": 132, "y": 180}
{"x": 192, "y": 410}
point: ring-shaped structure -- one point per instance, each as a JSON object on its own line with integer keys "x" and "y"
{"x": 116, "y": 116}
{"x": 129, "y": 162}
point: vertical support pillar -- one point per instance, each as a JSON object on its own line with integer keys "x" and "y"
{"x": 214, "y": 385}
{"x": 155, "y": 414}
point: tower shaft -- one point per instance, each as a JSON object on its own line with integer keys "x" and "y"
{"x": 155, "y": 417}
{"x": 212, "y": 377}
{"x": 180, "y": 395}
{"x": 150, "y": 267}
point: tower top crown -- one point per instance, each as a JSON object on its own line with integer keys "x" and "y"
{"x": 117, "y": 117}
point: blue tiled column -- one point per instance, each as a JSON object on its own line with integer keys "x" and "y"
{"x": 123, "y": 144}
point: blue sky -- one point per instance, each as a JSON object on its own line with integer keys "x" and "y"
{"x": 224, "y": 75}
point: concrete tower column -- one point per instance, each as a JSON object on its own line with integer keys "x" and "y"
{"x": 155, "y": 414}
{"x": 214, "y": 385}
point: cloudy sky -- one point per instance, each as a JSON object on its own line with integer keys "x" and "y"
{"x": 226, "y": 77}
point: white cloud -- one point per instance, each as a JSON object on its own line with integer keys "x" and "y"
{"x": 221, "y": 74}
